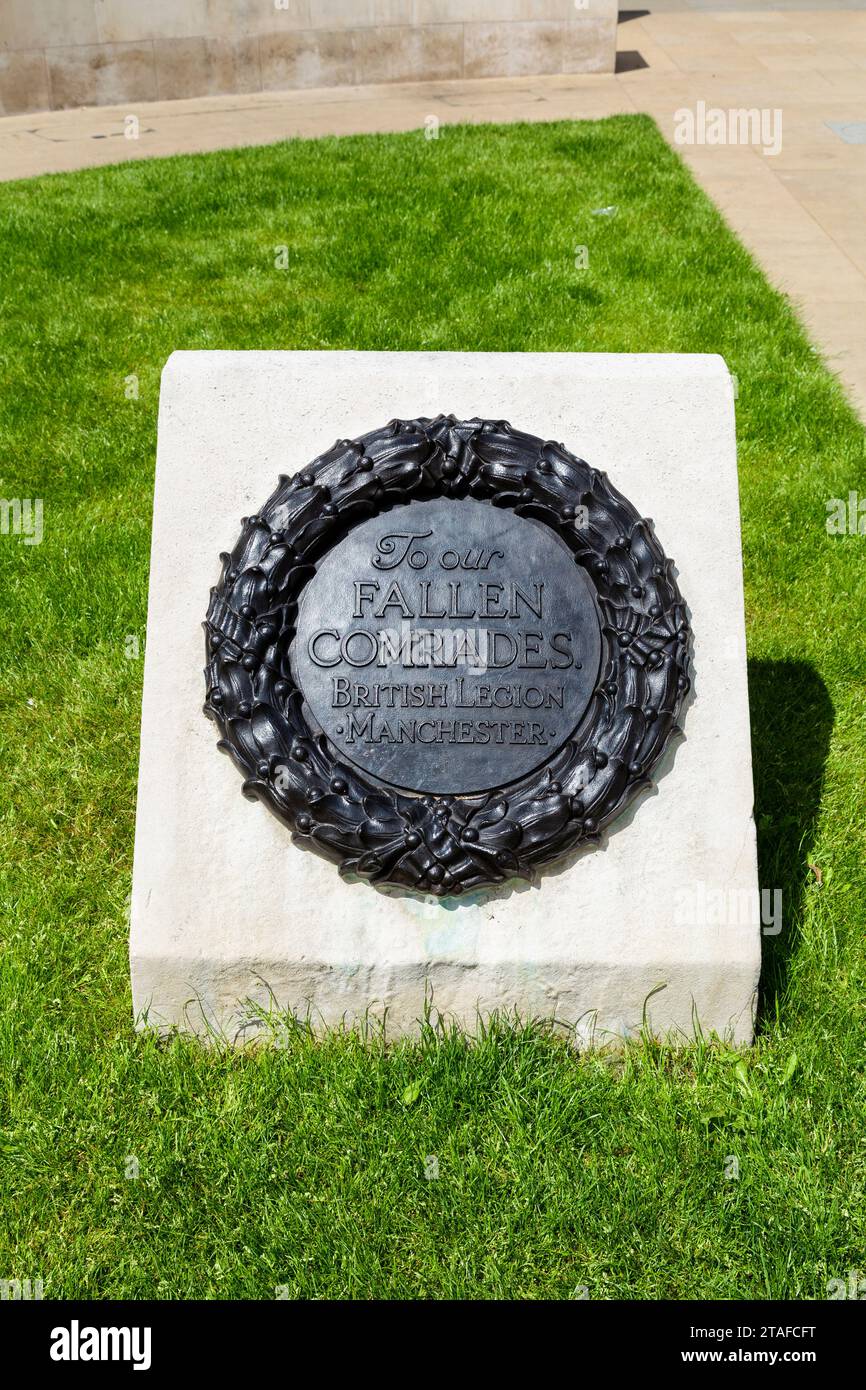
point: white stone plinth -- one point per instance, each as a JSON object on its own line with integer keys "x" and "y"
{"x": 226, "y": 909}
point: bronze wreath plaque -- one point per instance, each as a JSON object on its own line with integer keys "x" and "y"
{"x": 446, "y": 653}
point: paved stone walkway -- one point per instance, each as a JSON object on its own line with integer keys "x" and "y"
{"x": 801, "y": 211}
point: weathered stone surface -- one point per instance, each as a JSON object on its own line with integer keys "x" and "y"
{"x": 23, "y": 81}
{"x": 515, "y": 49}
{"x": 192, "y": 67}
{"x": 101, "y": 74}
{"x": 226, "y": 909}
{"x": 101, "y": 52}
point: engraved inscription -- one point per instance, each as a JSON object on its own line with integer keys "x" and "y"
{"x": 448, "y": 647}
{"x": 440, "y": 697}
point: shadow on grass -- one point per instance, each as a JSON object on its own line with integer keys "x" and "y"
{"x": 792, "y": 718}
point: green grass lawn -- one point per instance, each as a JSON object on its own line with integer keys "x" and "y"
{"x": 308, "y": 1167}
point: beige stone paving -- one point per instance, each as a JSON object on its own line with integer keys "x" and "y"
{"x": 802, "y": 212}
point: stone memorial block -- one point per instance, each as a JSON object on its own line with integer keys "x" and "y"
{"x": 449, "y": 653}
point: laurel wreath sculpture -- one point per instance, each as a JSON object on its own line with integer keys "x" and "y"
{"x": 445, "y": 844}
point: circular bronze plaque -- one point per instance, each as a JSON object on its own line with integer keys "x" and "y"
{"x": 448, "y": 646}
{"x": 446, "y": 653}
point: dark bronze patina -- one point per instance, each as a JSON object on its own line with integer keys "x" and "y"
{"x": 446, "y": 653}
{"x": 448, "y": 647}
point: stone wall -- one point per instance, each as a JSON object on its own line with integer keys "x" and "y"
{"x": 66, "y": 53}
